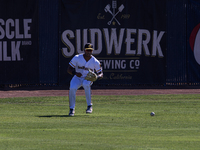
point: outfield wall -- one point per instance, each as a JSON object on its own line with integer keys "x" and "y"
{"x": 146, "y": 42}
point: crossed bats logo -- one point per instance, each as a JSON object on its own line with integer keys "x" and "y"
{"x": 195, "y": 42}
{"x": 114, "y": 7}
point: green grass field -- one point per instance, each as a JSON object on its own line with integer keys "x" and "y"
{"x": 117, "y": 123}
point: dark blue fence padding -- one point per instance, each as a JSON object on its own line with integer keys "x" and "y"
{"x": 48, "y": 41}
{"x": 176, "y": 72}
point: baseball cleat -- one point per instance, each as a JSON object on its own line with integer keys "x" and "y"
{"x": 89, "y": 109}
{"x": 71, "y": 112}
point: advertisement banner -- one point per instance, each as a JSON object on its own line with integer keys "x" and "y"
{"x": 18, "y": 42}
{"x": 129, "y": 38}
{"x": 193, "y": 28}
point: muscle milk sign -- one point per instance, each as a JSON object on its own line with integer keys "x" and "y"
{"x": 14, "y": 33}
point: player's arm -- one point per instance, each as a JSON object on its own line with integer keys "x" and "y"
{"x": 99, "y": 70}
{"x": 72, "y": 71}
{"x": 99, "y": 75}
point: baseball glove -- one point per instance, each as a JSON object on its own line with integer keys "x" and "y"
{"x": 91, "y": 76}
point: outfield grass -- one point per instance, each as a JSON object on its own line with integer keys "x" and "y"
{"x": 117, "y": 123}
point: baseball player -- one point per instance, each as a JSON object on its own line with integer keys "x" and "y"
{"x": 80, "y": 66}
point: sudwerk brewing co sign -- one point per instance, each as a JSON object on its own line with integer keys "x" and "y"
{"x": 128, "y": 41}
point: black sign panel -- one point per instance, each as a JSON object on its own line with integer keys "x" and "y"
{"x": 193, "y": 53}
{"x": 129, "y": 38}
{"x": 19, "y": 42}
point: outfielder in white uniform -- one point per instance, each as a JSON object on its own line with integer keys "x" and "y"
{"x": 79, "y": 66}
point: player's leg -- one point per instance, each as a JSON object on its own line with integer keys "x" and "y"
{"x": 87, "y": 87}
{"x": 75, "y": 83}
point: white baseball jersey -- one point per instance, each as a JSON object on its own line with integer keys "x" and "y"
{"x": 81, "y": 65}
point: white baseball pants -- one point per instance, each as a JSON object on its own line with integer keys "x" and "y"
{"x": 75, "y": 84}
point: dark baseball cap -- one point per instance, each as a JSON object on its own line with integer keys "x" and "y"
{"x": 89, "y": 46}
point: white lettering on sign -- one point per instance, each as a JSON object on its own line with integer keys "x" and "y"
{"x": 136, "y": 41}
{"x": 120, "y": 64}
{"x": 14, "y": 30}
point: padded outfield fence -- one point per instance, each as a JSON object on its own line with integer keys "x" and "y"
{"x": 139, "y": 43}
